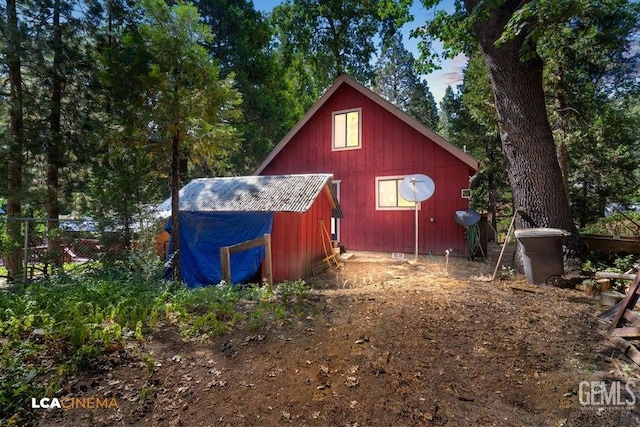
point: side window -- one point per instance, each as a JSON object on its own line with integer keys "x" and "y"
{"x": 388, "y": 194}
{"x": 347, "y": 130}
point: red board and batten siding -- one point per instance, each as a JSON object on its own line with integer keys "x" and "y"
{"x": 296, "y": 240}
{"x": 390, "y": 147}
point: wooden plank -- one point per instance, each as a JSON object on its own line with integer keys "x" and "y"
{"x": 631, "y": 316}
{"x": 611, "y": 244}
{"x": 320, "y": 268}
{"x": 627, "y": 332}
{"x": 627, "y": 349}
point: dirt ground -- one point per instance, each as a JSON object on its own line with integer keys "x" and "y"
{"x": 381, "y": 343}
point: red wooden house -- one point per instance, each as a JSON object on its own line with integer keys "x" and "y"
{"x": 370, "y": 146}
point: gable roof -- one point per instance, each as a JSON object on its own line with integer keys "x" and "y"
{"x": 415, "y": 124}
{"x": 272, "y": 193}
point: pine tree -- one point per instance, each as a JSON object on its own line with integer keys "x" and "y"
{"x": 396, "y": 80}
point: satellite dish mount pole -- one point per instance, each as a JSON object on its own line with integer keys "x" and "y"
{"x": 415, "y": 198}
{"x": 416, "y": 188}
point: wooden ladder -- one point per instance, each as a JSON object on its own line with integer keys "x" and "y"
{"x": 326, "y": 245}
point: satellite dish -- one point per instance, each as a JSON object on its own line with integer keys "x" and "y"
{"x": 417, "y": 188}
{"x": 467, "y": 218}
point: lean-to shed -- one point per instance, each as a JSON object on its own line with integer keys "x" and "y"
{"x": 217, "y": 212}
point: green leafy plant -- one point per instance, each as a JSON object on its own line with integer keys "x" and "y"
{"x": 293, "y": 294}
{"x": 256, "y": 320}
{"x": 146, "y": 393}
{"x": 18, "y": 382}
{"x": 149, "y": 362}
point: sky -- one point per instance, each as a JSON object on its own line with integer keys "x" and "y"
{"x": 451, "y": 72}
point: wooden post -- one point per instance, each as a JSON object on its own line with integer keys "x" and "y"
{"x": 267, "y": 259}
{"x": 225, "y": 264}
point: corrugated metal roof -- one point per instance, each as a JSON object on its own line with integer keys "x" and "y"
{"x": 269, "y": 193}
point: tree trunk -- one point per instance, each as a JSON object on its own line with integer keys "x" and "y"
{"x": 175, "y": 204}
{"x": 527, "y": 140}
{"x": 15, "y": 157}
{"x": 54, "y": 162}
{"x": 492, "y": 190}
{"x": 562, "y": 128}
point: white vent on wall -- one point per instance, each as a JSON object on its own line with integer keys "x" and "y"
{"x": 465, "y": 193}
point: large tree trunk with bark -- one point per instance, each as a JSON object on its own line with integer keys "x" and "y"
{"x": 15, "y": 158}
{"x": 530, "y": 152}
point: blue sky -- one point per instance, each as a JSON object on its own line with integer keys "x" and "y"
{"x": 451, "y": 72}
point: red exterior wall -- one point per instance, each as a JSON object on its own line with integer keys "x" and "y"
{"x": 390, "y": 147}
{"x": 296, "y": 240}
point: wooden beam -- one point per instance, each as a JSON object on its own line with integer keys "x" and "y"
{"x": 249, "y": 244}
{"x": 631, "y": 317}
{"x": 609, "y": 275}
{"x": 626, "y": 332}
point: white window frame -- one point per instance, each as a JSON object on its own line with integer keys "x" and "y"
{"x": 391, "y": 208}
{"x": 333, "y": 129}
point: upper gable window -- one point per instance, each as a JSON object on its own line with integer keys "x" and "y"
{"x": 347, "y": 130}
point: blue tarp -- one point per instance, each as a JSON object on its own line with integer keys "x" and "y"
{"x": 202, "y": 234}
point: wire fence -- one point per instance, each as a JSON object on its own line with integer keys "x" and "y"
{"x": 31, "y": 248}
